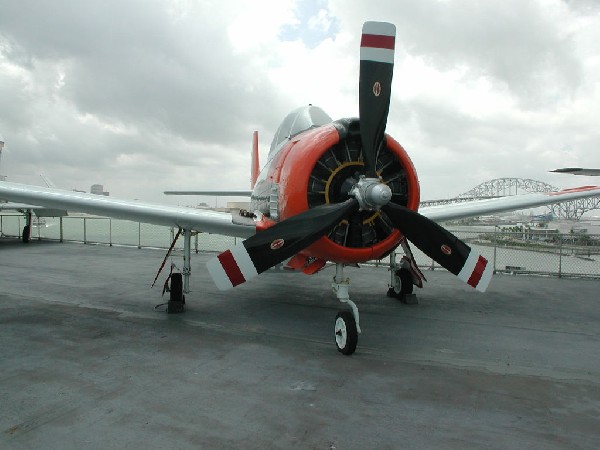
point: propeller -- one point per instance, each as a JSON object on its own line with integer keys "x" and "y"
{"x": 375, "y": 88}
{"x": 286, "y": 238}
{"x": 276, "y": 244}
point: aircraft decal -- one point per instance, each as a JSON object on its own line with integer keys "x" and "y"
{"x": 277, "y": 244}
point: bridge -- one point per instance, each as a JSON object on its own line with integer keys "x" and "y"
{"x": 502, "y": 187}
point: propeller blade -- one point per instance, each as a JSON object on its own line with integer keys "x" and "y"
{"x": 276, "y": 244}
{"x": 442, "y": 246}
{"x": 375, "y": 87}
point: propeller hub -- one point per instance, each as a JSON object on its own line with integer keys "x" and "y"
{"x": 371, "y": 193}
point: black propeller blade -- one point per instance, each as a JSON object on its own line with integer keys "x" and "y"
{"x": 276, "y": 244}
{"x": 375, "y": 87}
{"x": 441, "y": 245}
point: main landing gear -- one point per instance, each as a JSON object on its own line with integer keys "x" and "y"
{"x": 27, "y": 228}
{"x": 402, "y": 278}
{"x": 179, "y": 282}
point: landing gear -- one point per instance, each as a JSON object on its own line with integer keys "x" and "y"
{"x": 402, "y": 284}
{"x": 402, "y": 277}
{"x": 347, "y": 324}
{"x": 180, "y": 282}
{"x": 346, "y": 335}
{"x": 27, "y": 228}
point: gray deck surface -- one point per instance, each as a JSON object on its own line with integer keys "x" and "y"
{"x": 86, "y": 362}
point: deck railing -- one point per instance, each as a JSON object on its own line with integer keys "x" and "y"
{"x": 531, "y": 251}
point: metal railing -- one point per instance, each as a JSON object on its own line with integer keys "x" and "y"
{"x": 525, "y": 251}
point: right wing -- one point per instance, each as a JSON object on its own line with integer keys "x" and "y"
{"x": 171, "y": 216}
{"x": 475, "y": 208}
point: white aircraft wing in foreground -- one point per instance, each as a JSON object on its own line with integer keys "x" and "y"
{"x": 171, "y": 216}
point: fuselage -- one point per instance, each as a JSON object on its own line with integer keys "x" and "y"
{"x": 315, "y": 161}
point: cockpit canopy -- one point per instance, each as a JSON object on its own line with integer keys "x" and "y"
{"x": 296, "y": 122}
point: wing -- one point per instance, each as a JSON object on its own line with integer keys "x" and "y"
{"x": 579, "y": 171}
{"x": 172, "y": 216}
{"x": 475, "y": 208}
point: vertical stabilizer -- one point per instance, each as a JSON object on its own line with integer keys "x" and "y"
{"x": 254, "y": 168}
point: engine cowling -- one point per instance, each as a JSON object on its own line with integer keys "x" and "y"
{"x": 321, "y": 166}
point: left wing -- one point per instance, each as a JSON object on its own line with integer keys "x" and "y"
{"x": 475, "y": 208}
{"x": 171, "y": 216}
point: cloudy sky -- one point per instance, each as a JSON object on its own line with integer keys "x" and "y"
{"x": 143, "y": 95}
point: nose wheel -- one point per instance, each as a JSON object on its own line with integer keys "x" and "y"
{"x": 347, "y": 323}
{"x": 346, "y": 334}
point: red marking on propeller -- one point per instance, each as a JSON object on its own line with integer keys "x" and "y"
{"x": 378, "y": 41}
{"x": 277, "y": 243}
{"x": 477, "y": 271}
{"x": 446, "y": 250}
{"x": 377, "y": 89}
{"x": 231, "y": 268}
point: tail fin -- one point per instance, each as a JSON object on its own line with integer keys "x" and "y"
{"x": 254, "y": 169}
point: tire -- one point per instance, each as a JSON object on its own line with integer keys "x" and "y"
{"x": 406, "y": 281}
{"x": 346, "y": 335}
{"x": 176, "y": 297}
{"x": 26, "y": 233}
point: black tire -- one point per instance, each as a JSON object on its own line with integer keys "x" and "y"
{"x": 346, "y": 334}
{"x": 26, "y": 233}
{"x": 176, "y": 289}
{"x": 406, "y": 281}
{"x": 176, "y": 297}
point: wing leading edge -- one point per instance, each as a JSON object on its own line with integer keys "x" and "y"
{"x": 201, "y": 220}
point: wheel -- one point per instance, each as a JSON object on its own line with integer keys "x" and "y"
{"x": 406, "y": 281}
{"x": 26, "y": 233}
{"x": 346, "y": 335}
{"x": 176, "y": 297}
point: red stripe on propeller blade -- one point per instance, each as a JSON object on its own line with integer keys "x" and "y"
{"x": 477, "y": 271}
{"x": 378, "y": 41}
{"x": 231, "y": 268}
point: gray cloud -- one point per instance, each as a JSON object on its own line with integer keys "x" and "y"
{"x": 148, "y": 95}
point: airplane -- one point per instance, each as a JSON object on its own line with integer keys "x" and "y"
{"x": 579, "y": 171}
{"x": 341, "y": 192}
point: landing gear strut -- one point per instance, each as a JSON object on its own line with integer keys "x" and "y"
{"x": 347, "y": 324}
{"x": 180, "y": 282}
{"x": 27, "y": 228}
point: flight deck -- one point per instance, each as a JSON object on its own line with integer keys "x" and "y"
{"x": 88, "y": 362}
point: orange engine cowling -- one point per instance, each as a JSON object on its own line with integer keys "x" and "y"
{"x": 320, "y": 167}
